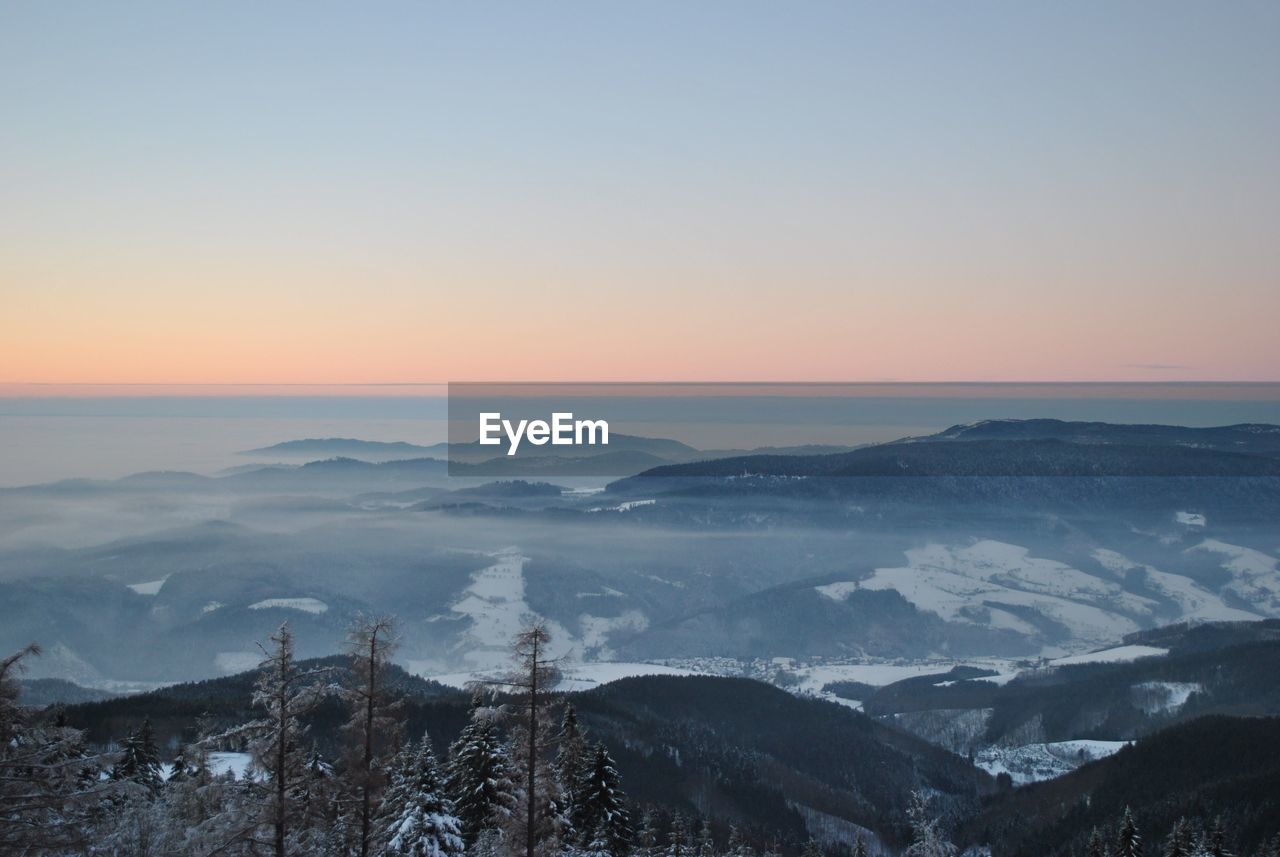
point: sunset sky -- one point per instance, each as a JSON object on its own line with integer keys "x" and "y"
{"x": 333, "y": 193}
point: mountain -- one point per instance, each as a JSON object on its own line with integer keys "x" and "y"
{"x": 41, "y": 692}
{"x": 659, "y": 449}
{"x": 347, "y": 447}
{"x": 922, "y": 567}
{"x": 739, "y": 751}
{"x": 1033, "y": 457}
{"x": 759, "y": 756}
{"x": 1119, "y": 694}
{"x": 331, "y": 476}
{"x": 1249, "y": 438}
{"x": 784, "y": 768}
{"x": 340, "y": 475}
{"x": 1212, "y": 767}
{"x": 645, "y": 452}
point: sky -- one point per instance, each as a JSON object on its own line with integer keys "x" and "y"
{"x": 389, "y": 193}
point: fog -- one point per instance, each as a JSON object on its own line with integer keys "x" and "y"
{"x": 163, "y": 577}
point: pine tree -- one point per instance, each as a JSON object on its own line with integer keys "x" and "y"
{"x": 1216, "y": 840}
{"x": 479, "y": 780}
{"x": 179, "y": 771}
{"x": 373, "y": 724}
{"x": 927, "y": 837}
{"x": 1179, "y": 843}
{"x": 597, "y": 846}
{"x": 1097, "y": 848}
{"x": 706, "y": 844}
{"x": 602, "y": 808}
{"x": 49, "y": 782}
{"x": 811, "y": 849}
{"x": 678, "y": 838}
{"x": 317, "y": 799}
{"x": 860, "y": 847}
{"x": 140, "y": 760}
{"x": 646, "y": 837}
{"x": 1129, "y": 840}
{"x": 572, "y": 759}
{"x": 737, "y": 846}
{"x": 419, "y": 817}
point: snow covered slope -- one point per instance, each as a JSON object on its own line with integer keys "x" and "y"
{"x": 998, "y": 585}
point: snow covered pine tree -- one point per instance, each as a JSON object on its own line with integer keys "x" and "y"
{"x": 479, "y": 778}
{"x": 417, "y": 818}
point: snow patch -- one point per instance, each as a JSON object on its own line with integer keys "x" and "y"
{"x": 306, "y": 605}
{"x": 1157, "y": 697}
{"x": 811, "y": 679}
{"x": 1115, "y": 655}
{"x": 220, "y": 764}
{"x": 950, "y": 580}
{"x": 1254, "y": 573}
{"x": 596, "y": 630}
{"x": 623, "y": 507}
{"x": 1196, "y": 603}
{"x": 149, "y": 587}
{"x": 575, "y": 677}
{"x": 1031, "y": 763}
{"x": 495, "y": 604}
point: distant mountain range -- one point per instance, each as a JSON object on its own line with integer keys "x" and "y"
{"x": 624, "y": 454}
{"x": 1025, "y": 448}
{"x": 346, "y": 447}
{"x": 749, "y": 557}
{"x": 1252, "y": 438}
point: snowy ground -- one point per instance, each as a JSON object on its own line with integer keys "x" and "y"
{"x": 495, "y": 604}
{"x": 950, "y": 579}
{"x": 1159, "y": 697}
{"x": 878, "y": 674}
{"x": 1114, "y": 655}
{"x": 1034, "y": 762}
{"x": 993, "y": 583}
{"x": 149, "y": 587}
{"x": 306, "y": 605}
{"x": 576, "y": 677}
{"x": 1255, "y": 575}
{"x": 219, "y": 764}
{"x": 1196, "y": 602}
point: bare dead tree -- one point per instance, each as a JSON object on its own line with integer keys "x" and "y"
{"x": 532, "y": 680}
{"x": 374, "y": 725}
{"x": 287, "y": 694}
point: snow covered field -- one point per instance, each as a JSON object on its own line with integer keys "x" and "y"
{"x": 576, "y": 677}
{"x": 950, "y": 580}
{"x": 495, "y": 604}
{"x": 1256, "y": 576}
{"x": 1196, "y": 602}
{"x": 220, "y": 764}
{"x": 306, "y": 605}
{"x": 149, "y": 587}
{"x": 1114, "y": 655}
{"x": 1031, "y": 763}
{"x": 994, "y": 584}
